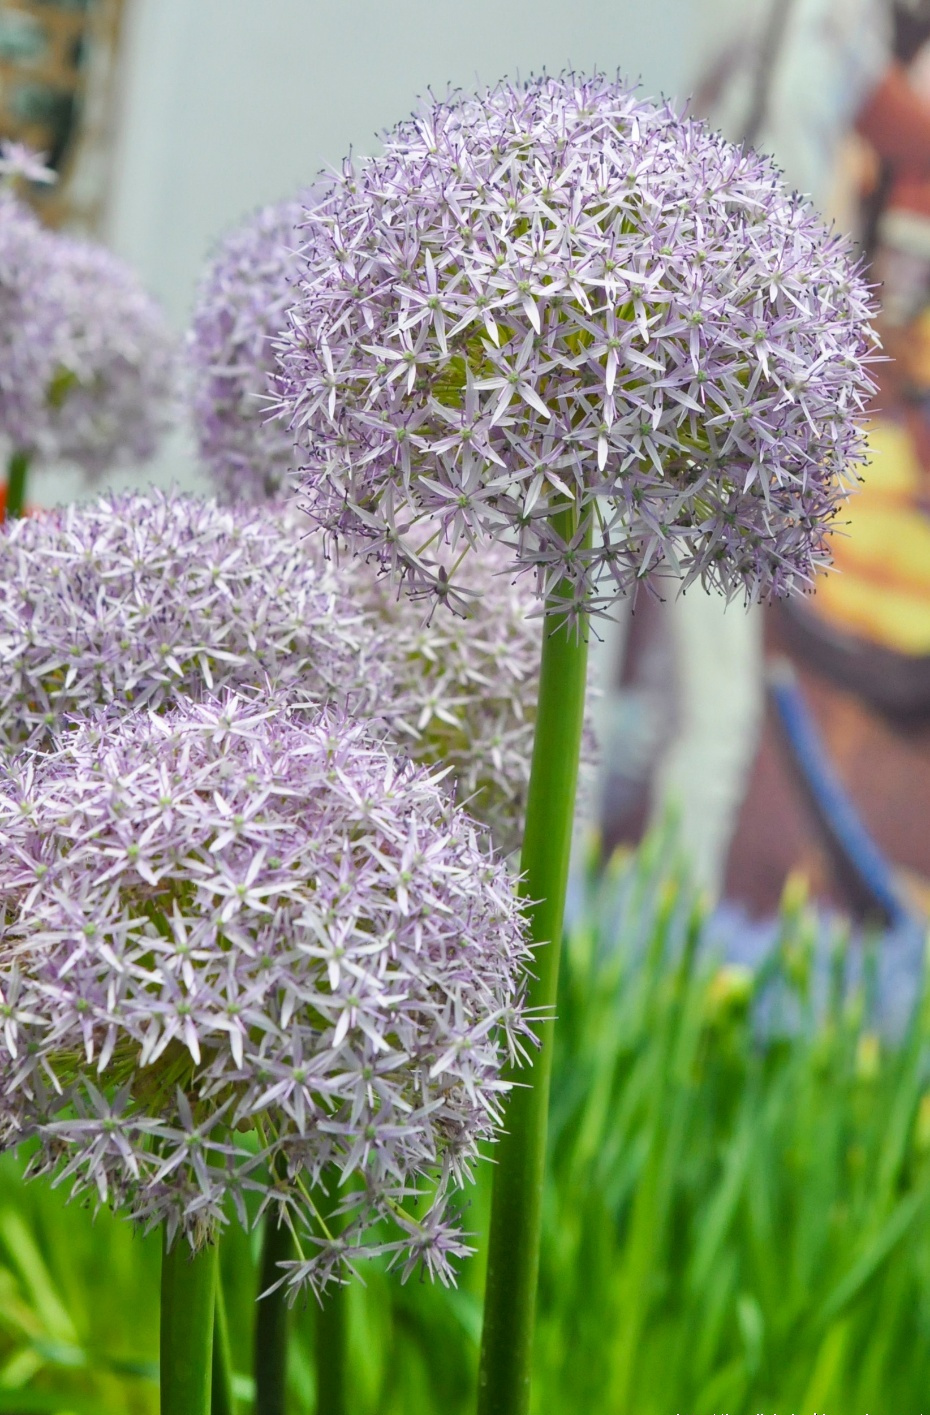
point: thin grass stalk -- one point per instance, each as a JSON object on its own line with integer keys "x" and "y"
{"x": 513, "y": 1247}
{"x": 188, "y": 1289}
{"x": 17, "y": 472}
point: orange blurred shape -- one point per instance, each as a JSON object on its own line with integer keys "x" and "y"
{"x": 27, "y": 510}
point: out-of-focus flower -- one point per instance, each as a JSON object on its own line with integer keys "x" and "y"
{"x": 113, "y": 386}
{"x": 146, "y": 598}
{"x": 241, "y": 306}
{"x": 558, "y": 297}
{"x": 88, "y": 367}
{"x": 27, "y": 324}
{"x": 230, "y": 919}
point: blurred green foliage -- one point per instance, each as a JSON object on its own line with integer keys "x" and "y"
{"x": 737, "y": 1219}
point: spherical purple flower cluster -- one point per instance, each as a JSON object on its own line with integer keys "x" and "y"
{"x": 231, "y": 921}
{"x": 563, "y": 318}
{"x": 241, "y": 306}
{"x": 27, "y": 324}
{"x": 143, "y": 599}
{"x": 88, "y": 367}
{"x": 114, "y": 384}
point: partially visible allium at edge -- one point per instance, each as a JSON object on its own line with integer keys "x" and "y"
{"x": 113, "y": 388}
{"x": 146, "y": 598}
{"x": 241, "y": 306}
{"x": 234, "y": 922}
{"x": 556, "y": 297}
{"x": 27, "y": 324}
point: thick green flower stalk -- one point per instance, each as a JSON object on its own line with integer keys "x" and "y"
{"x": 561, "y": 318}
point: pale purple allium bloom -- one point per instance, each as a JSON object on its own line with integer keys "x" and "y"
{"x": 232, "y": 920}
{"x": 557, "y": 295}
{"x": 145, "y": 598}
{"x": 113, "y": 388}
{"x": 242, "y": 304}
{"x": 27, "y": 324}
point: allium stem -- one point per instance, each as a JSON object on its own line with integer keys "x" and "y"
{"x": 223, "y": 1400}
{"x": 331, "y": 1352}
{"x": 271, "y": 1321}
{"x": 188, "y": 1289}
{"x": 16, "y": 473}
{"x": 513, "y": 1250}
{"x": 330, "y": 1343}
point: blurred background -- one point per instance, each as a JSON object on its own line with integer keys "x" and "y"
{"x": 739, "y": 1207}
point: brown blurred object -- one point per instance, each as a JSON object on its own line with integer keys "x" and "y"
{"x": 883, "y": 764}
{"x": 896, "y": 121}
{"x": 57, "y": 91}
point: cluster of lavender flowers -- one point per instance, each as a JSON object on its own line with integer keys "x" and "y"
{"x": 88, "y": 367}
{"x": 241, "y": 306}
{"x": 228, "y": 920}
{"x": 142, "y": 599}
{"x": 27, "y": 323}
{"x": 559, "y": 298}
{"x": 113, "y": 388}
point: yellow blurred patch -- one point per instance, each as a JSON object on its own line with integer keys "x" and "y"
{"x": 882, "y": 590}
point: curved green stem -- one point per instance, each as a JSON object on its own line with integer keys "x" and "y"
{"x": 272, "y": 1319}
{"x": 513, "y": 1247}
{"x": 188, "y": 1287}
{"x": 223, "y": 1401}
{"x": 16, "y": 472}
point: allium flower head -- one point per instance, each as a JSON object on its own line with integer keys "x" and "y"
{"x": 230, "y": 920}
{"x": 557, "y": 297}
{"x": 27, "y": 324}
{"x": 147, "y": 598}
{"x": 114, "y": 379}
{"x": 241, "y": 306}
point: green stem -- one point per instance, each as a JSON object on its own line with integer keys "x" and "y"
{"x": 224, "y": 1401}
{"x": 16, "y": 472}
{"x": 271, "y": 1322}
{"x": 188, "y": 1287}
{"x": 330, "y": 1347}
{"x": 513, "y": 1246}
